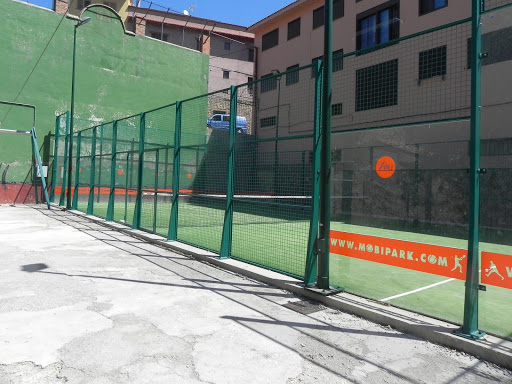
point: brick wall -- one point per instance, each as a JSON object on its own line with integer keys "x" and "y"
{"x": 61, "y": 6}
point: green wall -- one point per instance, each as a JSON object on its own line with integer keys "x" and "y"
{"x": 117, "y": 74}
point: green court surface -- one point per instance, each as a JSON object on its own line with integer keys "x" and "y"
{"x": 281, "y": 245}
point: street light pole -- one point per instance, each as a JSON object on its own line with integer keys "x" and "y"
{"x": 72, "y": 121}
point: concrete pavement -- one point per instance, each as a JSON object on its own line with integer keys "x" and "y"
{"x": 81, "y": 302}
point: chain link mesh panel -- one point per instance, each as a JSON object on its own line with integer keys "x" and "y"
{"x": 400, "y": 114}
{"x": 496, "y": 158}
{"x": 127, "y": 166}
{"x": 103, "y": 167}
{"x": 59, "y": 159}
{"x": 203, "y": 171}
{"x": 83, "y": 187}
{"x": 273, "y": 172}
{"x": 158, "y": 170}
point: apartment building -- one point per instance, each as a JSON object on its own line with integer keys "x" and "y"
{"x": 400, "y": 65}
{"x": 293, "y": 37}
{"x": 294, "y": 34}
{"x": 230, "y": 48}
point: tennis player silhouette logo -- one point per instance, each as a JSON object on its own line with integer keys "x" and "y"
{"x": 493, "y": 269}
{"x": 458, "y": 264}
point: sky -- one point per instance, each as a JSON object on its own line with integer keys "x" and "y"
{"x": 238, "y": 12}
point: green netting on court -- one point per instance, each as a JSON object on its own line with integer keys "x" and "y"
{"x": 157, "y": 180}
{"x": 83, "y": 166}
{"x": 202, "y": 173}
{"x": 400, "y": 167}
{"x": 273, "y": 173}
{"x": 59, "y": 165}
{"x": 496, "y": 158}
{"x": 400, "y": 154}
{"x": 127, "y": 167}
{"x": 103, "y": 169}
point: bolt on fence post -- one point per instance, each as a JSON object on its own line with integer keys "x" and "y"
{"x": 140, "y": 173}
{"x": 312, "y": 256}
{"x": 470, "y": 323}
{"x": 113, "y": 166}
{"x": 90, "y": 204}
{"x": 227, "y": 230}
{"x": 65, "y": 191}
{"x": 77, "y": 170}
{"x": 55, "y": 158}
{"x": 173, "y": 222}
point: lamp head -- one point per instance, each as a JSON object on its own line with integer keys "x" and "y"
{"x": 82, "y": 21}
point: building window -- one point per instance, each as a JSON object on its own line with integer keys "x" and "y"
{"x": 294, "y": 28}
{"x": 250, "y": 85}
{"x": 427, "y": 6}
{"x": 81, "y": 4}
{"x": 338, "y": 10}
{"x": 318, "y": 17}
{"x": 111, "y": 5}
{"x": 337, "y": 109}
{"x": 268, "y": 121}
{"x": 159, "y": 36}
{"x": 377, "y": 86}
{"x": 377, "y": 26}
{"x": 268, "y": 83}
{"x": 270, "y": 39}
{"x": 313, "y": 65}
{"x": 432, "y": 63}
{"x": 227, "y": 46}
{"x": 293, "y": 77}
{"x": 251, "y": 55}
{"x": 225, "y": 74}
{"x": 499, "y": 43}
{"x": 337, "y": 60}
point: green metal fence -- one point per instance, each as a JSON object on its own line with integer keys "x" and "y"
{"x": 416, "y": 221}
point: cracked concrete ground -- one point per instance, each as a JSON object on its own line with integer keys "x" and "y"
{"x": 83, "y": 303}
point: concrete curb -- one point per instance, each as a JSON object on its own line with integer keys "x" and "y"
{"x": 490, "y": 348}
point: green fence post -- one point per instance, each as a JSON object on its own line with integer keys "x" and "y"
{"x": 227, "y": 230}
{"x": 140, "y": 173}
{"x": 325, "y": 169}
{"x": 55, "y": 158}
{"x": 113, "y": 165}
{"x": 90, "y": 204}
{"x": 100, "y": 164}
{"x": 312, "y": 256}
{"x": 64, "y": 191}
{"x": 77, "y": 170}
{"x": 155, "y": 196}
{"x": 470, "y": 323}
{"x": 173, "y": 222}
{"x": 166, "y": 165}
{"x": 129, "y": 170}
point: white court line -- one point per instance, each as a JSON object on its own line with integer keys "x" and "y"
{"x": 420, "y": 289}
{"x": 417, "y": 290}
